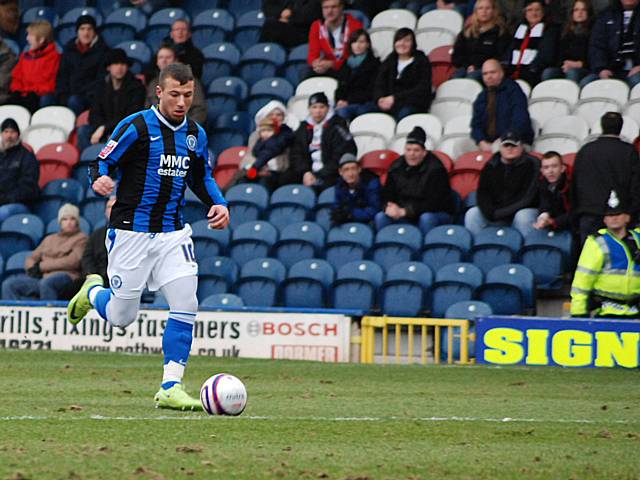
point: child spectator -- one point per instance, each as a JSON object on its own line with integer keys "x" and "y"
{"x": 35, "y": 73}
{"x": 553, "y": 190}
{"x": 357, "y": 193}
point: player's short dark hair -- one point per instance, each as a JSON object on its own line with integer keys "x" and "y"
{"x": 178, "y": 71}
{"x": 611, "y": 123}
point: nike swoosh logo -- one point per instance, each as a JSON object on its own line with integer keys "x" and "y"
{"x": 153, "y": 139}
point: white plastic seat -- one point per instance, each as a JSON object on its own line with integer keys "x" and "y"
{"x": 429, "y": 123}
{"x": 568, "y": 125}
{"x": 459, "y": 88}
{"x": 379, "y": 124}
{"x": 40, "y": 135}
{"x": 524, "y": 86}
{"x": 449, "y": 108}
{"x": 382, "y": 43}
{"x": 591, "y": 109}
{"x": 292, "y": 121}
{"x": 559, "y": 89}
{"x": 313, "y": 85}
{"x": 21, "y": 115}
{"x": 298, "y": 106}
{"x": 455, "y": 146}
{"x": 558, "y": 143}
{"x": 630, "y": 129}
{"x": 441, "y": 18}
{"x": 368, "y": 143}
{"x": 62, "y": 117}
{"x": 394, "y": 18}
{"x": 631, "y": 110}
{"x": 542, "y": 109}
{"x": 613, "y": 89}
{"x": 634, "y": 94}
{"x": 431, "y": 38}
{"x": 460, "y": 125}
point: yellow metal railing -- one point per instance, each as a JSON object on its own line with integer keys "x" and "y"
{"x": 425, "y": 326}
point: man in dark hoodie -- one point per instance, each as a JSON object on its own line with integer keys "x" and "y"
{"x": 357, "y": 193}
{"x": 187, "y": 52}
{"x": 508, "y": 189}
{"x": 81, "y": 66}
{"x": 118, "y": 96}
{"x": 554, "y": 194}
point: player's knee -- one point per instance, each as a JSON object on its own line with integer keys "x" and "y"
{"x": 187, "y": 304}
{"x": 122, "y": 313}
{"x": 123, "y": 320}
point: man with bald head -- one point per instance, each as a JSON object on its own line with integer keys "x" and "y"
{"x": 499, "y": 108}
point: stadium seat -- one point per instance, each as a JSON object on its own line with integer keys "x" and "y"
{"x": 560, "y": 144}
{"x": 232, "y": 122}
{"x": 366, "y": 142}
{"x": 393, "y": 19}
{"x": 495, "y": 246}
{"x": 382, "y": 43}
{"x": 60, "y": 117}
{"x": 26, "y": 223}
{"x": 90, "y": 153}
{"x": 40, "y": 13}
{"x": 52, "y": 170}
{"x": 613, "y": 89}
{"x": 37, "y": 136}
{"x": 54, "y": 226}
{"x": 220, "y": 60}
{"x": 290, "y": 203}
{"x": 307, "y": 284}
{"x": 520, "y": 276}
{"x": 210, "y": 27}
{"x": 70, "y": 189}
{"x": 508, "y": 290}
{"x": 226, "y": 94}
{"x": 224, "y": 269}
{"x": 13, "y": 242}
{"x": 405, "y": 291}
{"x": 347, "y": 243}
{"x": 139, "y": 52}
{"x": 59, "y": 151}
{"x": 220, "y": 141}
{"x": 442, "y": 67}
{"x": 449, "y": 20}
{"x": 247, "y": 202}
{"x": 299, "y": 241}
{"x": 379, "y": 125}
{"x": 454, "y": 283}
{"x": 428, "y": 122}
{"x": 296, "y": 67}
{"x": 396, "y": 244}
{"x": 240, "y": 7}
{"x": 548, "y": 255}
{"x": 459, "y": 88}
{"x": 195, "y": 7}
{"x": 122, "y": 25}
{"x": 446, "y": 244}
{"x": 465, "y": 310}
{"x": 455, "y": 145}
{"x": 431, "y": 39}
{"x": 267, "y": 89}
{"x": 209, "y": 242}
{"x": 448, "y": 108}
{"x": 312, "y": 85}
{"x": 378, "y": 161}
{"x": 67, "y": 27}
{"x": 15, "y": 263}
{"x": 259, "y": 282}
{"x": 248, "y": 28}
{"x": 446, "y": 160}
{"x": 47, "y": 207}
{"x": 357, "y": 285}
{"x": 260, "y": 61}
{"x": 564, "y": 132}
{"x": 227, "y": 165}
{"x": 21, "y": 115}
{"x": 630, "y": 129}
{"x": 222, "y": 300}
{"x": 252, "y": 240}
{"x": 474, "y": 161}
{"x": 159, "y": 25}
{"x": 93, "y": 210}
{"x": 465, "y": 176}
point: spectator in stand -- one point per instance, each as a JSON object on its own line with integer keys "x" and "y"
{"x": 119, "y": 95}
{"x": 318, "y": 145}
{"x": 614, "y": 49}
{"x": 534, "y": 46}
{"x": 81, "y": 67}
{"x": 166, "y": 55}
{"x": 19, "y": 174}
{"x": 53, "y": 265}
{"x": 403, "y": 85}
{"x": 354, "y": 95}
{"x": 417, "y": 189}
{"x": 357, "y": 193}
{"x": 508, "y": 189}
{"x": 485, "y": 37}
{"x": 9, "y": 18}
{"x": 574, "y": 44}
{"x": 267, "y": 156}
{"x": 604, "y": 165}
{"x": 7, "y": 62}
{"x": 34, "y": 76}
{"x": 553, "y": 190}
{"x": 287, "y": 22}
{"x": 328, "y": 39}
{"x": 501, "y": 106}
{"x": 187, "y": 52}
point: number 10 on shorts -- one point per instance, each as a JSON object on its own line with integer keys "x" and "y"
{"x": 187, "y": 250}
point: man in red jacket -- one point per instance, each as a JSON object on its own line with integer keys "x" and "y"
{"x": 329, "y": 39}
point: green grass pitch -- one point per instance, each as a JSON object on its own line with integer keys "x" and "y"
{"x": 90, "y": 416}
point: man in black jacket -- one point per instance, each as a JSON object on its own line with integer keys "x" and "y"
{"x": 508, "y": 189}
{"x": 318, "y": 145}
{"x": 553, "y": 189}
{"x": 287, "y": 22}
{"x": 601, "y": 166}
{"x": 417, "y": 188}
{"x": 187, "y": 52}
{"x": 19, "y": 173}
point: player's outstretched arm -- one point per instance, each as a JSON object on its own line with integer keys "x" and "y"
{"x": 103, "y": 185}
{"x": 218, "y": 217}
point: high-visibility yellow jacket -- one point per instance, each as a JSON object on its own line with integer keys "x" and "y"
{"x": 606, "y": 272}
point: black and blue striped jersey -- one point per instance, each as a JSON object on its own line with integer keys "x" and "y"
{"x": 155, "y": 161}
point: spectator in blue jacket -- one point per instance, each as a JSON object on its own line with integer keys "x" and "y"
{"x": 19, "y": 173}
{"x": 502, "y": 106}
{"x": 357, "y": 193}
{"x": 614, "y": 50}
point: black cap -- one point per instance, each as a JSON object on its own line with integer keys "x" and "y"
{"x": 116, "y": 55}
{"x": 11, "y": 124}
{"x": 83, "y": 19}
{"x": 347, "y": 158}
{"x": 511, "y": 138}
{"x": 417, "y": 136}
{"x": 616, "y": 204}
{"x": 318, "y": 97}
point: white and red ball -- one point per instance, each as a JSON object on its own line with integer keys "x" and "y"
{"x": 223, "y": 394}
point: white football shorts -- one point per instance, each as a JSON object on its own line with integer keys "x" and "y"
{"x": 139, "y": 259}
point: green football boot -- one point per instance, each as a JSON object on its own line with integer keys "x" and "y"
{"x": 176, "y": 398}
{"x": 79, "y": 305}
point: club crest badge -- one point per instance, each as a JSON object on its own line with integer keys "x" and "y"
{"x": 191, "y": 142}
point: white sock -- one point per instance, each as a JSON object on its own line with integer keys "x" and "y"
{"x": 173, "y": 372}
{"x": 92, "y": 294}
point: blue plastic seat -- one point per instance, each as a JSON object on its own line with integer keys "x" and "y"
{"x": 123, "y": 24}
{"x": 90, "y": 153}
{"x": 68, "y": 188}
{"x": 248, "y": 28}
{"x": 220, "y": 60}
{"x": 548, "y": 255}
{"x": 252, "y": 240}
{"x": 159, "y": 25}
{"x": 446, "y": 244}
{"x": 67, "y": 27}
{"x": 405, "y": 291}
{"x": 356, "y": 286}
{"x": 40, "y": 13}
{"x": 239, "y": 7}
{"x": 226, "y": 94}
{"x": 93, "y": 210}
{"x": 216, "y": 275}
{"x": 508, "y": 289}
{"x": 15, "y": 263}
{"x": 396, "y": 244}
{"x": 47, "y": 207}
{"x": 139, "y": 52}
{"x": 466, "y": 310}
{"x": 348, "y": 243}
{"x": 267, "y": 89}
{"x": 222, "y": 300}
{"x": 299, "y": 241}
{"x": 261, "y": 61}
{"x": 232, "y": 122}
{"x": 54, "y": 226}
{"x": 247, "y": 202}
{"x": 308, "y": 283}
{"x": 26, "y": 223}
{"x": 209, "y": 242}
{"x": 194, "y": 211}
{"x": 13, "y": 242}
{"x": 259, "y": 282}
{"x": 290, "y": 203}
{"x": 221, "y": 141}
{"x": 495, "y": 246}
{"x": 296, "y": 67}
{"x": 195, "y": 7}
{"x": 211, "y": 27}
{"x": 454, "y": 283}
{"x": 324, "y": 206}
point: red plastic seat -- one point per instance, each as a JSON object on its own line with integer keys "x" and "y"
{"x": 441, "y": 67}
{"x": 464, "y": 181}
{"x": 445, "y": 159}
{"x": 53, "y": 170}
{"x": 378, "y": 161}
{"x": 475, "y": 160}
{"x": 64, "y": 152}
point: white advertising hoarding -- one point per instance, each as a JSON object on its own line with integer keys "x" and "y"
{"x": 275, "y": 335}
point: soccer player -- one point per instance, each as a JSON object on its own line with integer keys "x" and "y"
{"x": 158, "y": 152}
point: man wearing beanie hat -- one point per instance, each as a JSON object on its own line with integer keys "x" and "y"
{"x": 119, "y": 95}
{"x": 417, "y": 189}
{"x": 19, "y": 172}
{"x": 318, "y": 145}
{"x": 81, "y": 66}
{"x": 357, "y": 193}
{"x": 54, "y": 264}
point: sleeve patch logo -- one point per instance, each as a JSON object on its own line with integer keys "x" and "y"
{"x": 107, "y": 149}
{"x": 191, "y": 142}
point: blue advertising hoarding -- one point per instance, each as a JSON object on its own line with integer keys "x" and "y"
{"x": 557, "y": 342}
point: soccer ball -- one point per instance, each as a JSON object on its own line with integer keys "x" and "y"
{"x": 223, "y": 394}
